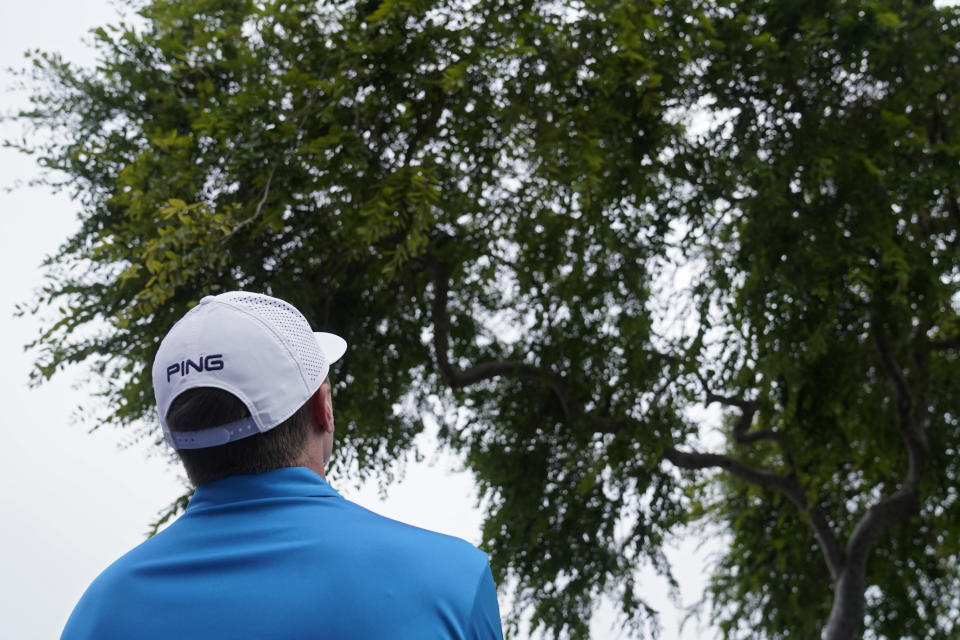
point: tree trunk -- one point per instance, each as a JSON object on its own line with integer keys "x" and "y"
{"x": 846, "y": 615}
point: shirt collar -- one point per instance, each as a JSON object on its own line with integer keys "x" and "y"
{"x": 279, "y": 483}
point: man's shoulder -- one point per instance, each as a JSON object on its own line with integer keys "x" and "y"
{"x": 387, "y": 552}
{"x": 112, "y": 586}
{"x": 366, "y": 523}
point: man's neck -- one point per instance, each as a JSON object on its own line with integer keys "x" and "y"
{"x": 312, "y": 459}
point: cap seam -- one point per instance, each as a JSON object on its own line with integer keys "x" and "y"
{"x": 290, "y": 351}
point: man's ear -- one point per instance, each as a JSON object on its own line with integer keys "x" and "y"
{"x": 321, "y": 406}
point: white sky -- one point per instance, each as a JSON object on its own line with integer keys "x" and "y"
{"x": 72, "y": 501}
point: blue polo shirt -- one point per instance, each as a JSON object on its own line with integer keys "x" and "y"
{"x": 282, "y": 555}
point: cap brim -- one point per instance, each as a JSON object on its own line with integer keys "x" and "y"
{"x": 333, "y": 346}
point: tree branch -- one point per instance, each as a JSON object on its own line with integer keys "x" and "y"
{"x": 695, "y": 460}
{"x": 266, "y": 193}
{"x": 574, "y": 413}
{"x": 904, "y": 502}
{"x": 787, "y": 485}
{"x": 259, "y": 209}
{"x": 945, "y": 345}
{"x": 847, "y": 612}
{"x": 459, "y": 378}
{"x": 307, "y": 111}
{"x": 572, "y": 410}
{"x": 829, "y": 544}
{"x": 901, "y": 390}
{"x": 741, "y": 429}
{"x": 953, "y": 207}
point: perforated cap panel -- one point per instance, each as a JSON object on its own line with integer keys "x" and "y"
{"x": 290, "y": 325}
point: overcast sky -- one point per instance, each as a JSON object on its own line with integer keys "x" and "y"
{"x": 73, "y": 501}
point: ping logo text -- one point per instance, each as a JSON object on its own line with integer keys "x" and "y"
{"x": 213, "y": 362}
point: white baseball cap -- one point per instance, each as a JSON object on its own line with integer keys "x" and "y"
{"x": 260, "y": 349}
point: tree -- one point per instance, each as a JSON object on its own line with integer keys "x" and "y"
{"x": 499, "y": 204}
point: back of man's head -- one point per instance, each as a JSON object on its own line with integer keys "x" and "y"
{"x": 206, "y": 407}
{"x": 234, "y": 380}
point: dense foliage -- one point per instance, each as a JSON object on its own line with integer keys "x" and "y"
{"x": 556, "y": 228}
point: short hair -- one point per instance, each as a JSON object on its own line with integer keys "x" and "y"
{"x": 205, "y": 407}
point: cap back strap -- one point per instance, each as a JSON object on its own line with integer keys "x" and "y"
{"x": 214, "y": 436}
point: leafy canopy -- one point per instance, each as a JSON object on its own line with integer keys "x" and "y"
{"x": 556, "y": 228}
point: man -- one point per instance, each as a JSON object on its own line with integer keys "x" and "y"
{"x": 266, "y": 548}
